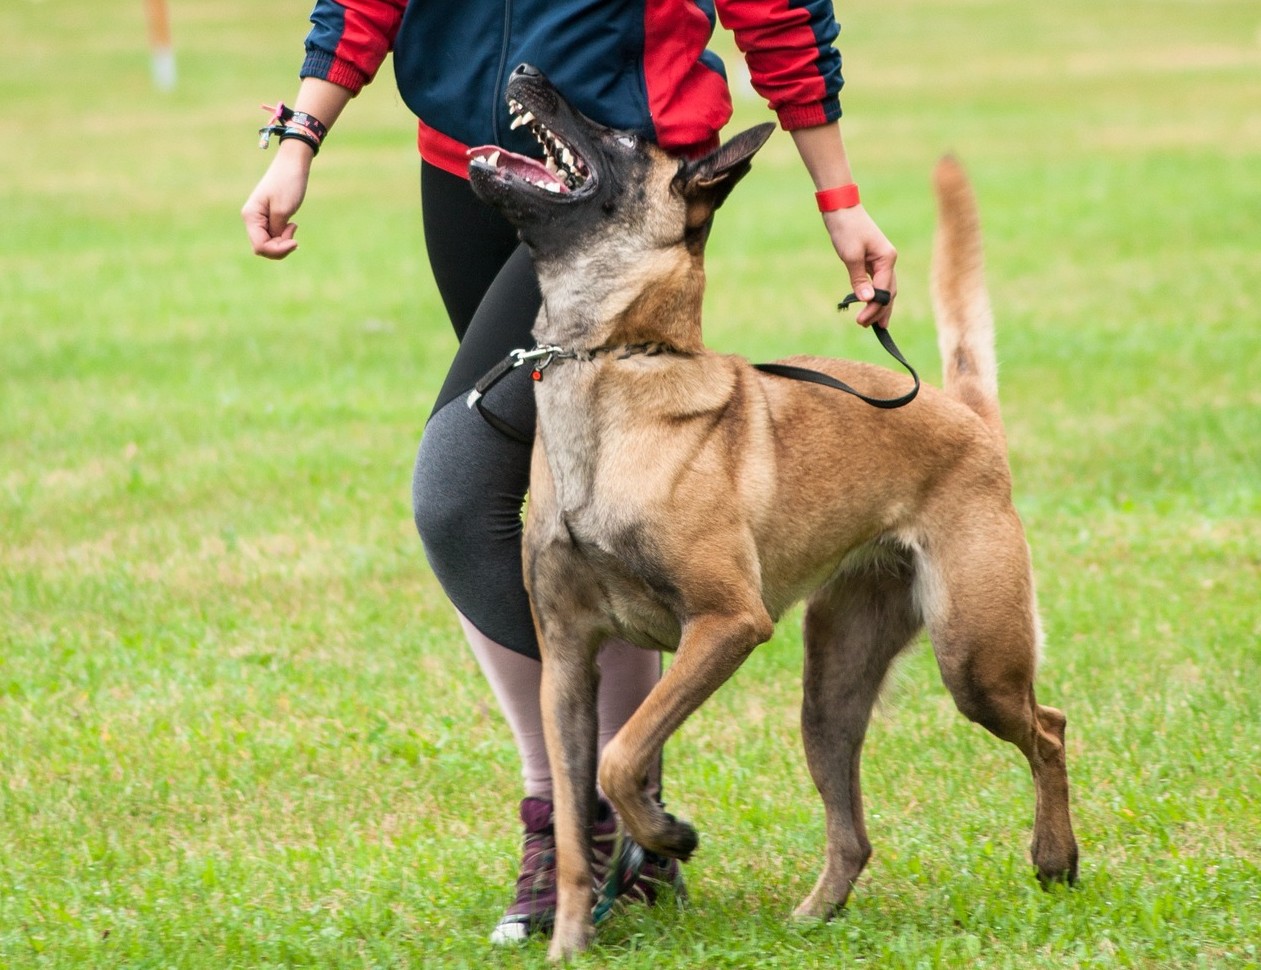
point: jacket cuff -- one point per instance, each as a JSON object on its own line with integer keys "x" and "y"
{"x": 329, "y": 67}
{"x": 794, "y": 116}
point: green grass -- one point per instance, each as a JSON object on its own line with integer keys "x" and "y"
{"x": 238, "y": 727}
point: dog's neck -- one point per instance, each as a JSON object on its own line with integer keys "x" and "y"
{"x": 587, "y": 306}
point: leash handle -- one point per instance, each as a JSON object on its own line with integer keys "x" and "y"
{"x": 886, "y": 341}
{"x": 883, "y": 297}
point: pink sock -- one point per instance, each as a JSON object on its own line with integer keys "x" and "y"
{"x": 627, "y": 674}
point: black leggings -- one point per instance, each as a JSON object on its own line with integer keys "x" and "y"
{"x": 470, "y": 480}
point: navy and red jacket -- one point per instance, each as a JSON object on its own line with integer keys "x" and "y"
{"x": 639, "y": 65}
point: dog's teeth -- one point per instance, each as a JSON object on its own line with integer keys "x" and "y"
{"x": 550, "y": 164}
{"x": 551, "y": 187}
{"x": 517, "y": 122}
{"x": 493, "y": 159}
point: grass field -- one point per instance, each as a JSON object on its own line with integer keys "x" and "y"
{"x": 238, "y": 727}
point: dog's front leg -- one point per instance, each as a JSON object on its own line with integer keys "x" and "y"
{"x": 570, "y": 682}
{"x": 710, "y": 650}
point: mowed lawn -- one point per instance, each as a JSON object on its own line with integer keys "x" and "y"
{"x": 238, "y": 726}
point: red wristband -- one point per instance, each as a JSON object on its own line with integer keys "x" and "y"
{"x": 841, "y": 197}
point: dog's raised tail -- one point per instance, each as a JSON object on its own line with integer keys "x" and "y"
{"x": 961, "y": 304}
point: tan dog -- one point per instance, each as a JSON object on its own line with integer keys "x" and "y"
{"x": 682, "y": 500}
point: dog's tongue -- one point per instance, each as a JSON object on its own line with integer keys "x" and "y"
{"x": 529, "y": 169}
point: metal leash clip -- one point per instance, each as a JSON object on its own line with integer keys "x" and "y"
{"x": 515, "y": 358}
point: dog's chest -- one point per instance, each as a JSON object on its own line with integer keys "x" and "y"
{"x": 596, "y": 518}
{"x": 606, "y": 553}
{"x": 622, "y": 571}
{"x": 570, "y": 442}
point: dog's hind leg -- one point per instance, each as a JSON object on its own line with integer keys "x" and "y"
{"x": 854, "y": 628}
{"x": 985, "y": 634}
{"x": 712, "y": 647}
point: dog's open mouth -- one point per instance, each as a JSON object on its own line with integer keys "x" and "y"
{"x": 562, "y": 170}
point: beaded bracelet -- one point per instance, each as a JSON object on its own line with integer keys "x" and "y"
{"x": 287, "y": 123}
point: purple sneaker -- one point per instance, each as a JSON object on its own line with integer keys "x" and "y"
{"x": 660, "y": 878}
{"x": 616, "y": 867}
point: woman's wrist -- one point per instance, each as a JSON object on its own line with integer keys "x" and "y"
{"x": 838, "y": 197}
{"x": 290, "y": 125}
{"x": 295, "y": 150}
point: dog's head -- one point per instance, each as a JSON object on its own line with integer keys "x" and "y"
{"x": 600, "y": 192}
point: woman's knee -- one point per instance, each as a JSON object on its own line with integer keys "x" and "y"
{"x": 440, "y": 506}
{"x": 468, "y": 480}
{"x": 436, "y": 511}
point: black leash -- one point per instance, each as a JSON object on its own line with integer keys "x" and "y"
{"x": 542, "y": 356}
{"x": 886, "y": 341}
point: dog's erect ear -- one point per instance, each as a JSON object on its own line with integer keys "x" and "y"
{"x": 709, "y": 180}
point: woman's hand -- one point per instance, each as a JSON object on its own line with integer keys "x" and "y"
{"x": 869, "y": 258}
{"x": 278, "y": 195}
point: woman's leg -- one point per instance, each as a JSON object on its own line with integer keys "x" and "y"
{"x": 470, "y": 479}
{"x": 625, "y": 679}
{"x": 469, "y": 485}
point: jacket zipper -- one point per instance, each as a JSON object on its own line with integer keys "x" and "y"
{"x": 499, "y": 78}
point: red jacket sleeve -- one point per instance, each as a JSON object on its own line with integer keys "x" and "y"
{"x": 788, "y": 45}
{"x": 349, "y": 39}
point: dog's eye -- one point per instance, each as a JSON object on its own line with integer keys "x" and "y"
{"x": 626, "y": 141}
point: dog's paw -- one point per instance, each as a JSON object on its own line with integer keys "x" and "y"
{"x": 815, "y": 911}
{"x": 1058, "y": 875}
{"x": 676, "y": 839}
{"x": 1055, "y": 861}
{"x": 569, "y": 941}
